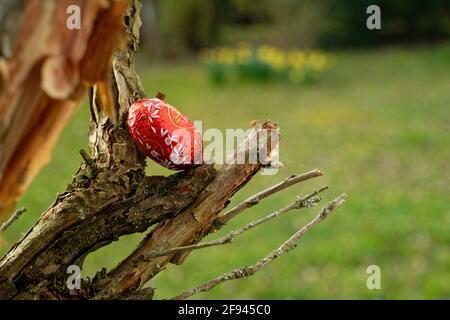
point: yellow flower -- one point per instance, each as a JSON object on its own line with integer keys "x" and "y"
{"x": 279, "y": 60}
{"x": 226, "y": 55}
{"x": 317, "y": 61}
{"x": 296, "y": 59}
{"x": 297, "y": 63}
{"x": 272, "y": 56}
{"x": 244, "y": 54}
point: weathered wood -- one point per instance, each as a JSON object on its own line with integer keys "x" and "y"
{"x": 46, "y": 78}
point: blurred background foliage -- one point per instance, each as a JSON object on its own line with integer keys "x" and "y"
{"x": 377, "y": 124}
{"x": 175, "y": 27}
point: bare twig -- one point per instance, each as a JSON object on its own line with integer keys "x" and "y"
{"x": 288, "y": 245}
{"x": 305, "y": 202}
{"x": 256, "y": 198}
{"x": 12, "y": 219}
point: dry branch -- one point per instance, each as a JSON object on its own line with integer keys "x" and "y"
{"x": 16, "y": 215}
{"x": 256, "y": 198}
{"x": 45, "y": 79}
{"x": 288, "y": 245}
{"x": 305, "y": 202}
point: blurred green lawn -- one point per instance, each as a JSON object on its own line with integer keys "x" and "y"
{"x": 377, "y": 125}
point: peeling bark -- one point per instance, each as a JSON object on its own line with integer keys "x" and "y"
{"x": 45, "y": 79}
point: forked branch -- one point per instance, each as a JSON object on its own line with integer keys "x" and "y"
{"x": 305, "y": 202}
{"x": 288, "y": 245}
{"x": 256, "y": 198}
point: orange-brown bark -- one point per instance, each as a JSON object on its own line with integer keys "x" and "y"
{"x": 45, "y": 79}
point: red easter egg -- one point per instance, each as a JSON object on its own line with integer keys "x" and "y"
{"x": 164, "y": 134}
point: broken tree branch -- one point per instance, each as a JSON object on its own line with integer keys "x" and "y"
{"x": 305, "y": 202}
{"x": 256, "y": 198}
{"x": 187, "y": 227}
{"x": 288, "y": 245}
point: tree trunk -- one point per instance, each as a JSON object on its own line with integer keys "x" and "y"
{"x": 45, "y": 79}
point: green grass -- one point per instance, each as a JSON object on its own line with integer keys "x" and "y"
{"x": 377, "y": 125}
